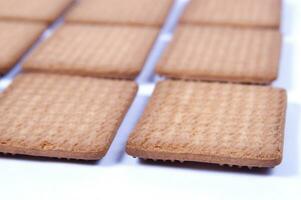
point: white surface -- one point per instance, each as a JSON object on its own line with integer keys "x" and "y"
{"x": 120, "y": 176}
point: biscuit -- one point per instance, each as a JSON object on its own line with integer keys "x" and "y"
{"x": 33, "y": 10}
{"x": 253, "y": 13}
{"x": 15, "y": 39}
{"x": 222, "y": 54}
{"x": 98, "y": 51}
{"x": 212, "y": 122}
{"x": 62, "y": 116}
{"x": 129, "y": 12}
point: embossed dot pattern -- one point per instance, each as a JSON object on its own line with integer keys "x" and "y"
{"x": 98, "y": 51}
{"x": 252, "y": 13}
{"x": 222, "y": 54}
{"x": 33, "y": 10}
{"x": 129, "y": 12}
{"x": 62, "y": 116}
{"x": 15, "y": 39}
{"x": 212, "y": 122}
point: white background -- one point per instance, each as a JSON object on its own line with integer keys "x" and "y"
{"x": 120, "y": 176}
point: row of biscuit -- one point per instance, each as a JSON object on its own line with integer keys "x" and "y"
{"x": 66, "y": 103}
{"x": 197, "y": 52}
{"x": 234, "y": 120}
{"x": 21, "y": 24}
{"x": 77, "y": 117}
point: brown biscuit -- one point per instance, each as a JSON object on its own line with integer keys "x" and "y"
{"x": 15, "y": 39}
{"x": 222, "y": 54}
{"x": 129, "y": 12}
{"x": 98, "y": 51}
{"x": 33, "y": 10}
{"x": 212, "y": 122}
{"x": 62, "y": 116}
{"x": 254, "y": 13}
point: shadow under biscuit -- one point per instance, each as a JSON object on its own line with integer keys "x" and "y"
{"x": 202, "y": 167}
{"x": 117, "y": 150}
{"x": 19, "y": 157}
{"x": 290, "y": 162}
{"x": 174, "y": 15}
{"x": 147, "y": 75}
{"x": 285, "y": 72}
{"x": 287, "y": 18}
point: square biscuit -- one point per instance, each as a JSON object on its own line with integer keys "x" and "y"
{"x": 15, "y": 39}
{"x": 222, "y": 54}
{"x": 33, "y": 10}
{"x": 62, "y": 116}
{"x": 129, "y": 12}
{"x": 252, "y": 13}
{"x": 98, "y": 51}
{"x": 212, "y": 122}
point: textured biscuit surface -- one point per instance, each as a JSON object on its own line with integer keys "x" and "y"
{"x": 129, "y": 12}
{"x": 255, "y": 13}
{"x": 62, "y": 116}
{"x": 99, "y": 51}
{"x": 15, "y": 39}
{"x": 36, "y": 10}
{"x": 212, "y": 122}
{"x": 223, "y": 54}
